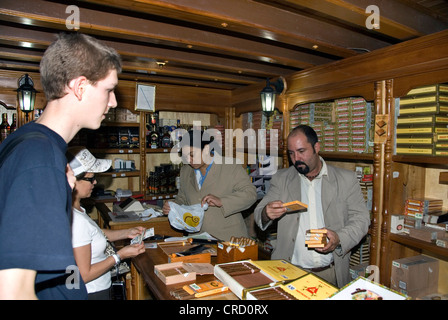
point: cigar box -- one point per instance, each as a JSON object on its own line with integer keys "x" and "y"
{"x": 179, "y": 251}
{"x": 427, "y": 119}
{"x": 423, "y": 100}
{"x": 415, "y": 139}
{"x": 307, "y": 287}
{"x": 415, "y": 150}
{"x": 364, "y": 289}
{"x": 241, "y": 276}
{"x": 422, "y": 129}
{"x": 435, "y": 108}
{"x": 434, "y": 89}
{"x": 441, "y": 152}
{"x": 172, "y": 273}
{"x": 229, "y": 253}
{"x": 294, "y": 206}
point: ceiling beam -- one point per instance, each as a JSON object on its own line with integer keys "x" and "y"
{"x": 258, "y": 20}
{"x": 49, "y": 14}
{"x": 137, "y": 57}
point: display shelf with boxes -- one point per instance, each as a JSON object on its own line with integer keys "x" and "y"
{"x": 417, "y": 165}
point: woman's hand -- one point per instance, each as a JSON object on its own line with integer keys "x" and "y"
{"x": 212, "y": 201}
{"x": 131, "y": 251}
{"x": 133, "y": 232}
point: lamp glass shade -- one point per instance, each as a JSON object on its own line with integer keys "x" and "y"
{"x": 26, "y": 94}
{"x": 267, "y": 99}
{"x": 26, "y": 100}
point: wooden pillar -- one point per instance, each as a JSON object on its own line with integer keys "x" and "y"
{"x": 378, "y": 177}
{"x": 142, "y": 132}
{"x": 385, "y": 263}
{"x": 284, "y": 108}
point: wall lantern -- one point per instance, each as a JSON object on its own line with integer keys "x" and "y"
{"x": 26, "y": 94}
{"x": 269, "y": 94}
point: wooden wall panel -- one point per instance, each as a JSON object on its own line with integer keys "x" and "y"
{"x": 168, "y": 97}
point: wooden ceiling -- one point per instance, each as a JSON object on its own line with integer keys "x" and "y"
{"x": 224, "y": 44}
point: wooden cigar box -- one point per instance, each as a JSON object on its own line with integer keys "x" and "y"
{"x": 178, "y": 251}
{"x": 176, "y": 272}
{"x": 230, "y": 253}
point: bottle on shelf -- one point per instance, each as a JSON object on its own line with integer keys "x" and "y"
{"x": 4, "y": 127}
{"x": 165, "y": 141}
{"x": 152, "y": 139}
{"x": 13, "y": 124}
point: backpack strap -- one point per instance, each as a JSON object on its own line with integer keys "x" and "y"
{"x": 6, "y": 151}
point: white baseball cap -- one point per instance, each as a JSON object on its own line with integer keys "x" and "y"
{"x": 81, "y": 160}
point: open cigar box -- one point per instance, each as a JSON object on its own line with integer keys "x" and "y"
{"x": 237, "y": 249}
{"x": 183, "y": 251}
{"x": 244, "y": 276}
{"x": 176, "y": 272}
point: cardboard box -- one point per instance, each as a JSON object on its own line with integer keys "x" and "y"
{"x": 396, "y": 223}
{"x": 358, "y": 270}
{"x": 415, "y": 276}
{"x": 176, "y": 272}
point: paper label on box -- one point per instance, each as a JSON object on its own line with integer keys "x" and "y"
{"x": 395, "y": 264}
{"x": 402, "y": 285}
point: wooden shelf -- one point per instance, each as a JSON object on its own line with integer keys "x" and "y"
{"x": 160, "y": 196}
{"x": 120, "y": 124}
{"x": 121, "y": 174}
{"x": 116, "y": 151}
{"x": 347, "y": 156}
{"x": 419, "y": 244}
{"x": 158, "y": 150}
{"x": 420, "y": 159}
{"x": 129, "y": 150}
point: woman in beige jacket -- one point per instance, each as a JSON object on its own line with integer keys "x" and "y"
{"x": 226, "y": 188}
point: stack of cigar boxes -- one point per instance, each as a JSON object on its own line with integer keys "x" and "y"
{"x": 422, "y": 124}
{"x": 316, "y": 238}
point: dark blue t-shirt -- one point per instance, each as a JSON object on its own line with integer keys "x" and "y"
{"x": 35, "y": 214}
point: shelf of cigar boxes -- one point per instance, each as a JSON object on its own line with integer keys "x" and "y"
{"x": 324, "y": 117}
{"x": 343, "y": 126}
